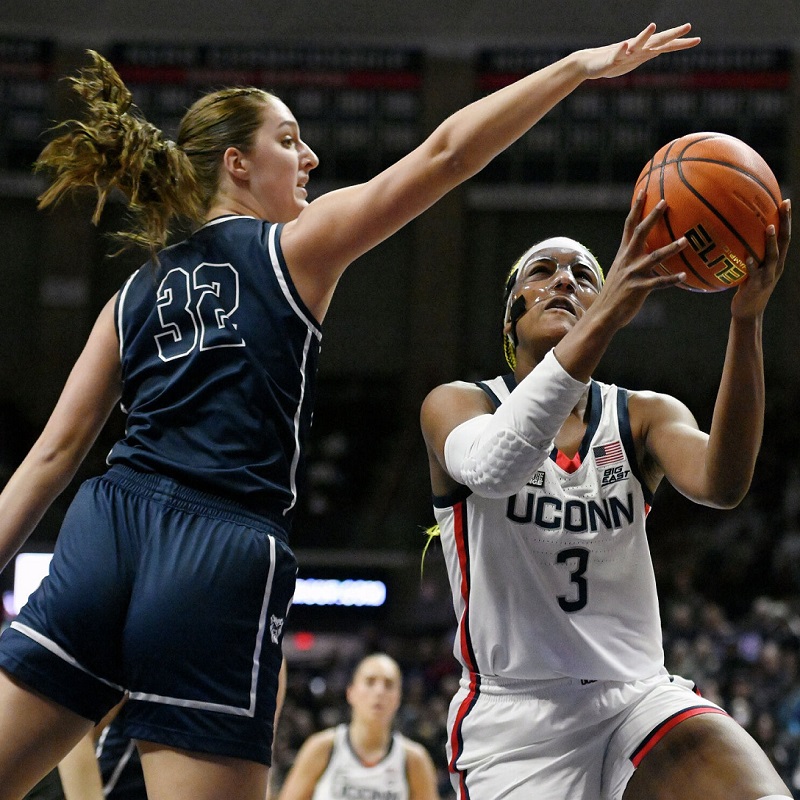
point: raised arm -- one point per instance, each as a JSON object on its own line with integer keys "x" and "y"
{"x": 494, "y": 453}
{"x": 340, "y": 226}
{"x": 91, "y": 391}
{"x": 716, "y": 469}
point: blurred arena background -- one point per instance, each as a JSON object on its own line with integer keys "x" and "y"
{"x": 367, "y": 80}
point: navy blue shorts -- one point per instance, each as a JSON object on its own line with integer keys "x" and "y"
{"x": 120, "y": 767}
{"x": 171, "y": 595}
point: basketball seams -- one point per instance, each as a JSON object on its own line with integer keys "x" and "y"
{"x": 734, "y": 195}
{"x": 665, "y": 220}
{"x": 715, "y": 211}
{"x": 719, "y": 163}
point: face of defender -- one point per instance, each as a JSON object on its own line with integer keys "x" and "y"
{"x": 279, "y": 164}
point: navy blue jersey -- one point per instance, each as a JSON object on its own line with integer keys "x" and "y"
{"x": 219, "y": 359}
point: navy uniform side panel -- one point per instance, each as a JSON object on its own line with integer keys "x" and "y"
{"x": 219, "y": 360}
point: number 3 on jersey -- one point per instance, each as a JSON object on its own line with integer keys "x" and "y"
{"x": 195, "y": 310}
{"x": 576, "y": 559}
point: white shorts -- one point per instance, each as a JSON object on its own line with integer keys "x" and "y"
{"x": 562, "y": 739}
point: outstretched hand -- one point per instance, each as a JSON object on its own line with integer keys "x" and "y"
{"x": 632, "y": 277}
{"x": 753, "y": 293}
{"x": 617, "y": 59}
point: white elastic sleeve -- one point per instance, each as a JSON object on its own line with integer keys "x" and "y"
{"x": 495, "y": 455}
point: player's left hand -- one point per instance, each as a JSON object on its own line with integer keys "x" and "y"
{"x": 617, "y": 59}
{"x": 753, "y": 293}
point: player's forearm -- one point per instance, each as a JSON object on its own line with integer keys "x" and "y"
{"x": 474, "y": 135}
{"x": 495, "y": 454}
{"x": 581, "y": 350}
{"x": 41, "y": 477}
{"x": 738, "y": 420}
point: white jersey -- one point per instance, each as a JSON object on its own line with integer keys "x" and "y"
{"x": 347, "y": 778}
{"x": 557, "y": 580}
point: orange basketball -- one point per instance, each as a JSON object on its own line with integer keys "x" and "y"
{"x": 721, "y": 195}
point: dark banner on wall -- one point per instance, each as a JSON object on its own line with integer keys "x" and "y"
{"x": 608, "y": 129}
{"x": 358, "y": 108}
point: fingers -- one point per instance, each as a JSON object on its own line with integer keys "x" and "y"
{"x": 647, "y": 223}
{"x": 634, "y": 217}
{"x": 667, "y": 41}
{"x": 637, "y": 229}
{"x": 638, "y": 41}
{"x": 785, "y": 230}
{"x": 777, "y": 242}
{"x": 664, "y": 37}
{"x": 633, "y": 249}
{"x": 666, "y": 252}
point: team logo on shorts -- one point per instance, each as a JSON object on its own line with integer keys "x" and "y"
{"x": 275, "y": 628}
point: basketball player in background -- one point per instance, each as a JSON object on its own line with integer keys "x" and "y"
{"x": 364, "y": 758}
{"x": 542, "y": 480}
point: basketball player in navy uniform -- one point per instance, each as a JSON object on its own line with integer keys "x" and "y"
{"x": 542, "y": 480}
{"x": 365, "y": 757}
{"x": 173, "y": 575}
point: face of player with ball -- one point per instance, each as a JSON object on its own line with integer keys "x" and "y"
{"x": 558, "y": 279}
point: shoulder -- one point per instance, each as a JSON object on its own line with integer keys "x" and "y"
{"x": 460, "y": 394}
{"x": 655, "y": 418}
{"x": 416, "y": 754}
{"x": 420, "y": 770}
{"x": 646, "y": 407}
{"x": 318, "y": 747}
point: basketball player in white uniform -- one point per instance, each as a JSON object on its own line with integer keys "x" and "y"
{"x": 542, "y": 481}
{"x": 364, "y": 760}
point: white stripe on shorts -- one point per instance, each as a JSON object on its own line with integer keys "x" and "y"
{"x": 50, "y": 645}
{"x": 222, "y": 707}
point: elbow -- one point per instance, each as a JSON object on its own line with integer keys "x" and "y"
{"x": 452, "y": 159}
{"x": 732, "y": 501}
{"x": 726, "y": 498}
{"x": 57, "y": 456}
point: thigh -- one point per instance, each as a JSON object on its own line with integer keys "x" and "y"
{"x": 36, "y": 734}
{"x": 120, "y": 766}
{"x": 520, "y": 747}
{"x": 707, "y": 757}
{"x": 172, "y": 774}
{"x": 202, "y": 643}
{"x": 65, "y": 643}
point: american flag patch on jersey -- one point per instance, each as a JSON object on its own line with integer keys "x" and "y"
{"x": 607, "y": 453}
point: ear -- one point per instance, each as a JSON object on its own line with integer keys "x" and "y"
{"x": 235, "y": 163}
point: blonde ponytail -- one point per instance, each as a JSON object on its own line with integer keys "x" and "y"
{"x": 114, "y": 147}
